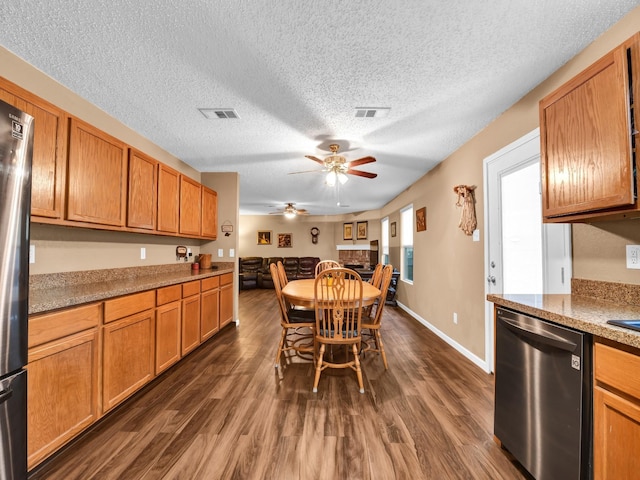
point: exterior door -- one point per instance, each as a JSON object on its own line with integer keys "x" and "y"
{"x": 522, "y": 254}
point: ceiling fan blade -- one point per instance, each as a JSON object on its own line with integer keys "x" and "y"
{"x": 305, "y": 171}
{"x": 360, "y": 173}
{"x": 315, "y": 159}
{"x": 302, "y": 211}
{"x": 361, "y": 161}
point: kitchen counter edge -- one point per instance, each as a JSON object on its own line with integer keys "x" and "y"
{"x": 46, "y": 300}
{"x": 585, "y": 314}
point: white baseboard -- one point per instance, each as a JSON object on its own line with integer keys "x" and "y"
{"x": 480, "y": 362}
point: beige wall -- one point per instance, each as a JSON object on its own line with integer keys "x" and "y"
{"x": 448, "y": 266}
{"x": 330, "y": 234}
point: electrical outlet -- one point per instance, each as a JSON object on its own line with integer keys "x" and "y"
{"x": 633, "y": 257}
{"x": 143, "y": 253}
{"x": 32, "y": 254}
{"x": 232, "y": 253}
{"x": 455, "y": 318}
{"x": 220, "y": 252}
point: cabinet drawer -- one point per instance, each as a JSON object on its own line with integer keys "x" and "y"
{"x": 52, "y": 326}
{"x": 226, "y": 279}
{"x": 129, "y": 305}
{"x": 210, "y": 283}
{"x": 190, "y": 288}
{"x": 614, "y": 367}
{"x": 168, "y": 294}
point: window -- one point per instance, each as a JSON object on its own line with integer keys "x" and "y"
{"x": 406, "y": 240}
{"x": 384, "y": 248}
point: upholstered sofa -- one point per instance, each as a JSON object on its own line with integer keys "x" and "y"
{"x": 253, "y": 272}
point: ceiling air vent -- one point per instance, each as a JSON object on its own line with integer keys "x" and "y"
{"x": 372, "y": 112}
{"x": 222, "y": 113}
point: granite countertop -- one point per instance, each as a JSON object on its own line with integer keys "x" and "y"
{"x": 584, "y": 313}
{"x": 53, "y": 291}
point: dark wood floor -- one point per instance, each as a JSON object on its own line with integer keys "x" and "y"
{"x": 225, "y": 412}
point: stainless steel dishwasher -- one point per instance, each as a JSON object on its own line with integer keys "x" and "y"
{"x": 543, "y": 396}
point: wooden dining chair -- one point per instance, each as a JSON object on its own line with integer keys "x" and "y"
{"x": 293, "y": 322}
{"x": 376, "y": 277}
{"x": 282, "y": 273}
{"x": 325, "y": 264}
{"x": 371, "y": 322}
{"x": 338, "y": 311}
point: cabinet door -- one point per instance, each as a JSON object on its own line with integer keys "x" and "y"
{"x": 190, "y": 206}
{"x": 190, "y": 323}
{"x": 616, "y": 436}
{"x": 209, "y": 321}
{"x": 168, "y": 320}
{"x": 49, "y": 149}
{"x": 97, "y": 172}
{"x": 143, "y": 190}
{"x": 168, "y": 199}
{"x": 62, "y": 392}
{"x": 585, "y": 135}
{"x": 128, "y": 357}
{"x": 209, "y": 213}
{"x": 226, "y": 299}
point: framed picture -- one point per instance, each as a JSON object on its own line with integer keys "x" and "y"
{"x": 264, "y": 237}
{"x": 347, "y": 231}
{"x": 421, "y": 219}
{"x": 361, "y": 228}
{"x": 393, "y": 229}
{"x": 284, "y": 240}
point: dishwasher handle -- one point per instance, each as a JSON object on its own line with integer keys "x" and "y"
{"x": 541, "y": 336}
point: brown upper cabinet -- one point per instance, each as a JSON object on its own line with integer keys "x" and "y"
{"x": 587, "y": 153}
{"x": 190, "y": 206}
{"x": 97, "y": 176}
{"x": 209, "y": 227}
{"x": 49, "y": 149}
{"x": 143, "y": 191}
{"x": 168, "y": 199}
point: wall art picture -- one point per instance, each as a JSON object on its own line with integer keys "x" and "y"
{"x": 347, "y": 231}
{"x": 264, "y": 237}
{"x": 421, "y": 219}
{"x": 284, "y": 240}
{"x": 361, "y": 228}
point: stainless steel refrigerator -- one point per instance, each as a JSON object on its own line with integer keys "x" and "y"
{"x": 16, "y": 150}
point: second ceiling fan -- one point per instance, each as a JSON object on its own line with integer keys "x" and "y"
{"x": 337, "y": 166}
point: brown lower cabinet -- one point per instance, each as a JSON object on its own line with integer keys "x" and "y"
{"x": 616, "y": 412}
{"x": 63, "y": 378}
{"x": 85, "y": 360}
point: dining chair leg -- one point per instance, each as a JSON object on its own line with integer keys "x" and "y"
{"x": 318, "y": 369}
{"x": 381, "y": 348}
{"x": 280, "y": 347}
{"x": 358, "y": 369}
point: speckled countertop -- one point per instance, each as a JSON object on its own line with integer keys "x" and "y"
{"x": 587, "y": 309}
{"x": 53, "y": 291}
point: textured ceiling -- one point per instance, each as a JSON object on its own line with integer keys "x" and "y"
{"x": 295, "y": 70}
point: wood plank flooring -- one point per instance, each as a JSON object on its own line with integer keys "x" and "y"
{"x": 225, "y": 412}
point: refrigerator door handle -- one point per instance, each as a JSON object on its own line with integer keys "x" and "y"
{"x": 6, "y": 395}
{"x": 541, "y": 336}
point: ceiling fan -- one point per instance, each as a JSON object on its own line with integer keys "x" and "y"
{"x": 337, "y": 167}
{"x": 290, "y": 211}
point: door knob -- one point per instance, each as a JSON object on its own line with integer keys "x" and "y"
{"x": 491, "y": 279}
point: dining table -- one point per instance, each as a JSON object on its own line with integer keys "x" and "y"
{"x": 301, "y": 293}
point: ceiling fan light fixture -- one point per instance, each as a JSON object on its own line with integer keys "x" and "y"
{"x": 331, "y": 178}
{"x": 342, "y": 178}
{"x": 290, "y": 214}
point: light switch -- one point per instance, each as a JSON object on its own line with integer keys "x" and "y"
{"x": 32, "y": 254}
{"x": 143, "y": 253}
{"x": 476, "y": 235}
{"x": 220, "y": 252}
{"x": 232, "y": 253}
